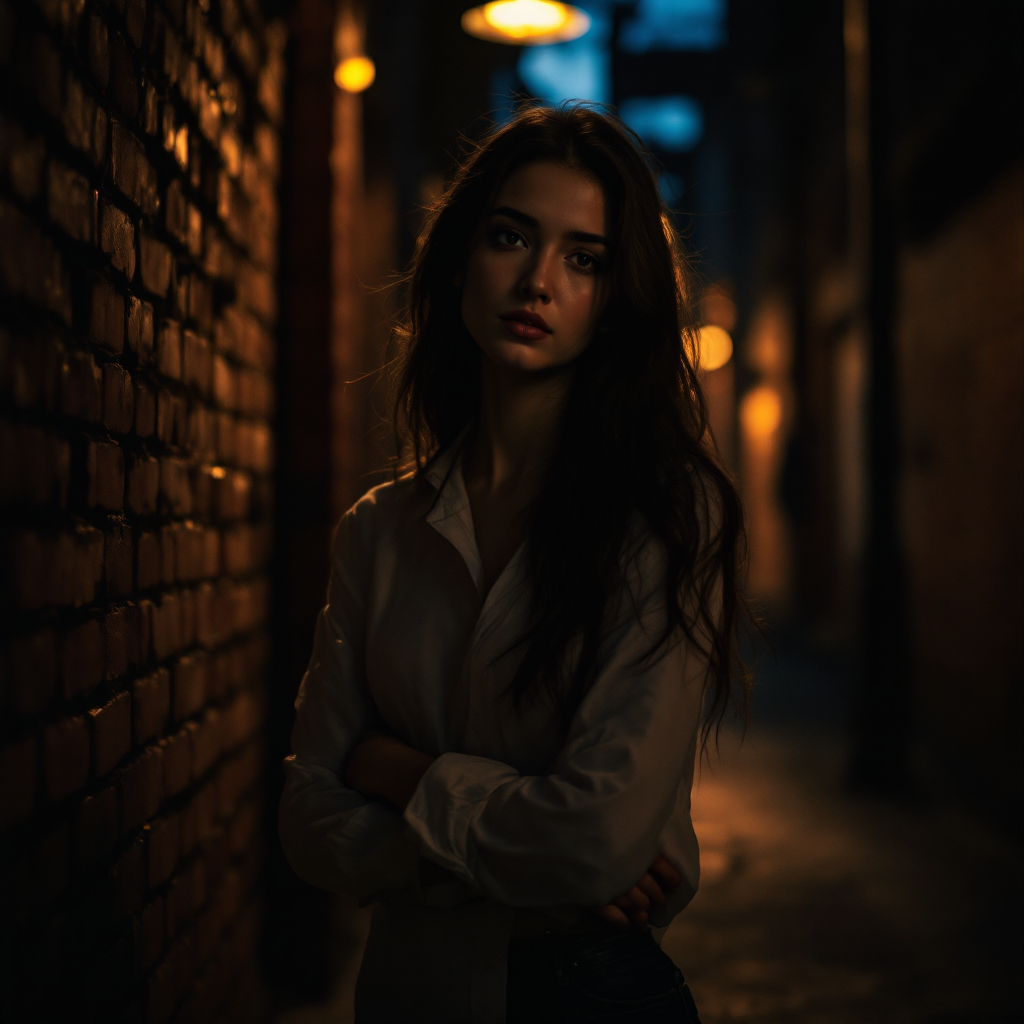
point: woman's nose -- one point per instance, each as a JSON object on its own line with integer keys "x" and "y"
{"x": 535, "y": 283}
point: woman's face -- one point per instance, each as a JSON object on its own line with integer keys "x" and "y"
{"x": 532, "y": 287}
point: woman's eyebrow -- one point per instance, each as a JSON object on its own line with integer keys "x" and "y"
{"x": 524, "y": 218}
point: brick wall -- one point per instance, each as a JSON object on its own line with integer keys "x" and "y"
{"x": 138, "y": 216}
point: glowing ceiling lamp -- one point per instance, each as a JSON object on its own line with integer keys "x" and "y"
{"x": 526, "y": 22}
{"x": 354, "y": 74}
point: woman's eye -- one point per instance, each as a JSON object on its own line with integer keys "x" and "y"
{"x": 584, "y": 261}
{"x": 506, "y": 237}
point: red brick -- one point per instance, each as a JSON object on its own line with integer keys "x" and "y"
{"x": 151, "y": 704}
{"x": 111, "y": 732}
{"x": 106, "y": 317}
{"x": 163, "y": 846}
{"x": 140, "y": 328}
{"x": 148, "y": 564}
{"x": 77, "y": 564}
{"x": 105, "y": 475}
{"x": 65, "y": 757}
{"x": 243, "y": 826}
{"x": 226, "y": 437}
{"x": 31, "y": 577}
{"x": 169, "y": 552}
{"x": 211, "y": 552}
{"x": 79, "y": 115}
{"x": 160, "y": 993}
{"x": 185, "y": 897}
{"x": 50, "y": 865}
{"x": 239, "y": 721}
{"x": 206, "y": 635}
{"x": 17, "y": 781}
{"x": 118, "y": 399}
{"x": 205, "y": 739}
{"x": 142, "y": 789}
{"x": 143, "y": 484}
{"x": 237, "y": 545}
{"x": 177, "y": 765}
{"x": 189, "y": 685}
{"x": 188, "y": 618}
{"x": 155, "y": 263}
{"x": 135, "y": 20}
{"x": 27, "y": 158}
{"x": 31, "y": 672}
{"x": 189, "y": 553}
{"x": 115, "y": 637}
{"x": 82, "y": 658}
{"x": 168, "y": 349}
{"x": 232, "y": 494}
{"x": 70, "y": 201}
{"x": 166, "y": 627}
{"x": 117, "y": 238}
{"x": 201, "y": 434}
{"x": 136, "y": 623}
{"x": 224, "y": 383}
{"x": 123, "y": 88}
{"x": 176, "y": 212}
{"x": 81, "y": 387}
{"x": 149, "y": 930}
{"x": 30, "y": 265}
{"x": 118, "y": 560}
{"x": 175, "y": 486}
{"x": 126, "y": 882}
{"x": 97, "y": 828}
{"x": 98, "y": 50}
{"x": 197, "y": 362}
{"x": 135, "y": 178}
{"x": 145, "y": 410}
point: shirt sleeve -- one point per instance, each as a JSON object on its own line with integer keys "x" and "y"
{"x": 587, "y": 831}
{"x": 333, "y": 837}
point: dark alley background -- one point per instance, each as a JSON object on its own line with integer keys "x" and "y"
{"x": 197, "y": 228}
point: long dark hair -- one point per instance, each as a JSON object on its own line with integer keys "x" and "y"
{"x": 634, "y": 443}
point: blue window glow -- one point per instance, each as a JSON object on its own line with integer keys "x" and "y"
{"x": 674, "y": 123}
{"x": 675, "y": 25}
{"x": 579, "y": 70}
{"x": 671, "y": 188}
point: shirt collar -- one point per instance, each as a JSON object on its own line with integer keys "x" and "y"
{"x": 451, "y": 514}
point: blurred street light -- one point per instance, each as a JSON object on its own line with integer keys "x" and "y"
{"x": 354, "y": 74}
{"x": 714, "y": 347}
{"x": 526, "y": 22}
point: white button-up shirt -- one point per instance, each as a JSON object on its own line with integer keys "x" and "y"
{"x": 522, "y": 815}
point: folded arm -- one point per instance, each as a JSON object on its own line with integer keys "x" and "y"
{"x": 333, "y": 836}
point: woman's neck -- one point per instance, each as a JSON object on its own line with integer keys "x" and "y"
{"x": 519, "y": 418}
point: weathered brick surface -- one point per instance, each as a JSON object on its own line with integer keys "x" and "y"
{"x": 138, "y": 217}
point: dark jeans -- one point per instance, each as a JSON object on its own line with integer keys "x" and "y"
{"x": 611, "y": 979}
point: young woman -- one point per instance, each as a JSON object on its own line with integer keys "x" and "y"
{"x": 495, "y": 738}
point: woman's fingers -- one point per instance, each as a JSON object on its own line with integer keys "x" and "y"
{"x": 614, "y": 916}
{"x": 665, "y": 873}
{"x": 650, "y": 888}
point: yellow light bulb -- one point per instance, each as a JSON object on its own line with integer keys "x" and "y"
{"x": 354, "y": 74}
{"x": 761, "y": 412}
{"x": 526, "y": 22}
{"x": 714, "y": 347}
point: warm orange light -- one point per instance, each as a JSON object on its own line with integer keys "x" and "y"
{"x": 761, "y": 412}
{"x": 714, "y": 347}
{"x": 354, "y": 74}
{"x": 526, "y": 22}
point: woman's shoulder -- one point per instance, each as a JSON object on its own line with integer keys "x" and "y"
{"x": 384, "y": 507}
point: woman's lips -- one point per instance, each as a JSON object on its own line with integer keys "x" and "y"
{"x": 525, "y": 324}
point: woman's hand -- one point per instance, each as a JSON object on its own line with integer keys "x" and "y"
{"x": 630, "y": 910}
{"x": 382, "y": 767}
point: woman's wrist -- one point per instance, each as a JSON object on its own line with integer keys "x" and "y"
{"x": 382, "y": 767}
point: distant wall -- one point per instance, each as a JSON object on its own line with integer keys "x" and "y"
{"x": 961, "y": 348}
{"x": 138, "y": 218}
